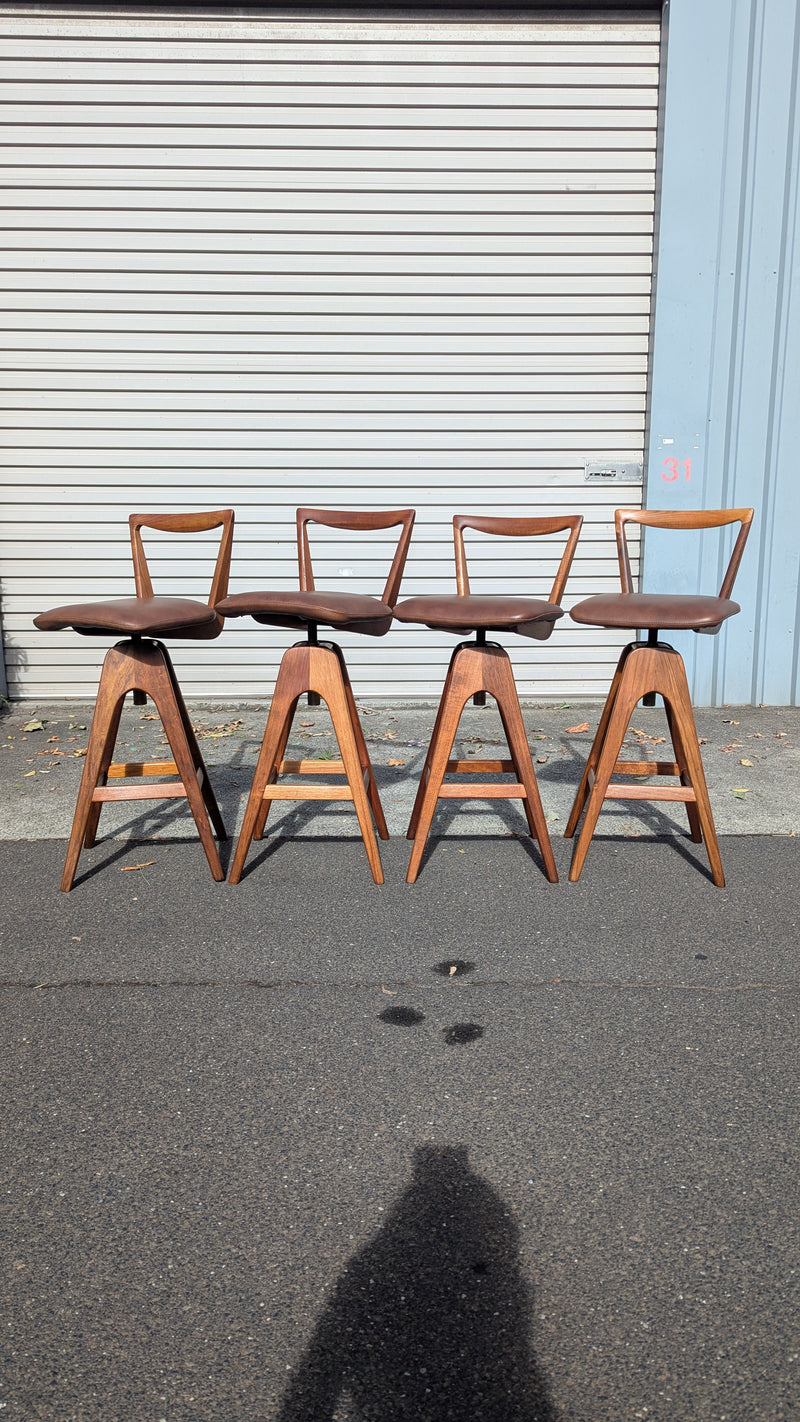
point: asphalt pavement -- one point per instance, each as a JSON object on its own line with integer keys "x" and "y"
{"x": 485, "y": 1148}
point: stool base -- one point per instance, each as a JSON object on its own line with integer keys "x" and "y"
{"x": 477, "y": 667}
{"x": 142, "y": 666}
{"x": 645, "y": 668}
{"x": 318, "y": 668}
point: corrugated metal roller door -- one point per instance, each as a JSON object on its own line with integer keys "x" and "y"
{"x": 260, "y": 264}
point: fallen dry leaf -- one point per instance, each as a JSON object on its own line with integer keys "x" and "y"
{"x": 396, "y": 762}
{"x": 306, "y": 723}
{"x": 80, "y": 752}
{"x": 29, "y": 772}
{"x": 214, "y": 733}
{"x": 34, "y": 726}
{"x": 388, "y": 991}
{"x": 453, "y": 969}
{"x": 128, "y": 868}
{"x": 745, "y": 762}
{"x": 740, "y": 790}
{"x": 576, "y": 730}
{"x": 541, "y": 760}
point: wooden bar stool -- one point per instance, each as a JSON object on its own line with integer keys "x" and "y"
{"x": 142, "y": 664}
{"x": 649, "y": 667}
{"x": 318, "y": 668}
{"x": 481, "y": 666}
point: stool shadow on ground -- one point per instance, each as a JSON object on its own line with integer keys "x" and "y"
{"x": 430, "y": 1322}
{"x": 635, "y": 819}
{"x": 520, "y": 833}
{"x": 156, "y": 822}
{"x": 324, "y": 822}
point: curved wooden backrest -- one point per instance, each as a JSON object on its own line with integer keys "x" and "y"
{"x": 186, "y": 523}
{"x": 684, "y": 518}
{"x": 356, "y": 522}
{"x": 517, "y": 528}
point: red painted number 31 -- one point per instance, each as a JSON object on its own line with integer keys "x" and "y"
{"x": 671, "y": 467}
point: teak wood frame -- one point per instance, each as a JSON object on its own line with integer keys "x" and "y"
{"x": 318, "y": 669}
{"x": 142, "y": 665}
{"x": 644, "y": 670}
{"x": 476, "y": 668}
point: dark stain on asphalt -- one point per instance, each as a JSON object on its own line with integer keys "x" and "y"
{"x": 453, "y": 968}
{"x": 462, "y": 1032}
{"x": 402, "y": 1016}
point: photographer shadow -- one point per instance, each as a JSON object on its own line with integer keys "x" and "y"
{"x": 431, "y": 1321}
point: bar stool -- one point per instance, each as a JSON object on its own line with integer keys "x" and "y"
{"x": 319, "y": 669}
{"x": 142, "y": 664}
{"x": 647, "y": 668}
{"x": 481, "y": 666}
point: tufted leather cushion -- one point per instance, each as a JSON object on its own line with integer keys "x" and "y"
{"x": 672, "y": 611}
{"x": 133, "y": 616}
{"x": 489, "y": 612}
{"x": 350, "y": 612}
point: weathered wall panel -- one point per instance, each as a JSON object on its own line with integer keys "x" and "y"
{"x": 726, "y": 343}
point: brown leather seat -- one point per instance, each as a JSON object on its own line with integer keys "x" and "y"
{"x": 649, "y": 668}
{"x": 135, "y": 616}
{"x": 477, "y": 667}
{"x": 347, "y": 612}
{"x": 685, "y": 612}
{"x": 486, "y": 612}
{"x": 142, "y": 664}
{"x": 318, "y": 669}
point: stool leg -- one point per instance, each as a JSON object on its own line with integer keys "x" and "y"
{"x": 115, "y": 683}
{"x": 423, "y": 779}
{"x": 331, "y": 686}
{"x": 680, "y": 756}
{"x": 363, "y": 753}
{"x": 288, "y": 689}
{"x": 162, "y": 694}
{"x": 206, "y": 787}
{"x": 266, "y": 805}
{"x": 499, "y": 682}
{"x": 675, "y": 689}
{"x": 458, "y": 689}
{"x": 146, "y": 667}
{"x": 110, "y": 740}
{"x": 597, "y": 745}
{"x": 635, "y": 678}
{"x": 659, "y": 669}
{"x": 483, "y": 669}
{"x": 318, "y": 669}
{"x": 366, "y": 764}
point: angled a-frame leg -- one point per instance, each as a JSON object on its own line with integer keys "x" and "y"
{"x": 319, "y": 668}
{"x": 142, "y": 665}
{"x": 644, "y": 668}
{"x": 478, "y": 668}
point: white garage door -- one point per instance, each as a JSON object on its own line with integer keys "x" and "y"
{"x": 352, "y": 264}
